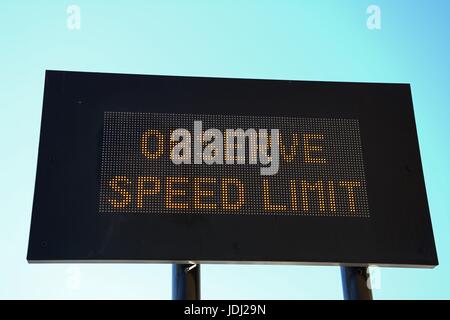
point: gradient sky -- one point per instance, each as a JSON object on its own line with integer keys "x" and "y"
{"x": 304, "y": 40}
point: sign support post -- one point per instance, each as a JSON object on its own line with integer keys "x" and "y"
{"x": 185, "y": 281}
{"x": 355, "y": 282}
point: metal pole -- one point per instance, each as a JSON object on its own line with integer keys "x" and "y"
{"x": 355, "y": 281}
{"x": 186, "y": 282}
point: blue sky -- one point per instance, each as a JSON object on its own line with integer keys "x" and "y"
{"x": 305, "y": 40}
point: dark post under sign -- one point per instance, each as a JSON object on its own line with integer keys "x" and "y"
{"x": 355, "y": 282}
{"x": 185, "y": 281}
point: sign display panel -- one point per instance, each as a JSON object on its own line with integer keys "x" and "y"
{"x": 195, "y": 164}
{"x": 178, "y": 169}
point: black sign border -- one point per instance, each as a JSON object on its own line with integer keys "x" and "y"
{"x": 66, "y": 226}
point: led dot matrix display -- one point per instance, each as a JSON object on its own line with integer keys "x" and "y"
{"x": 320, "y": 173}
